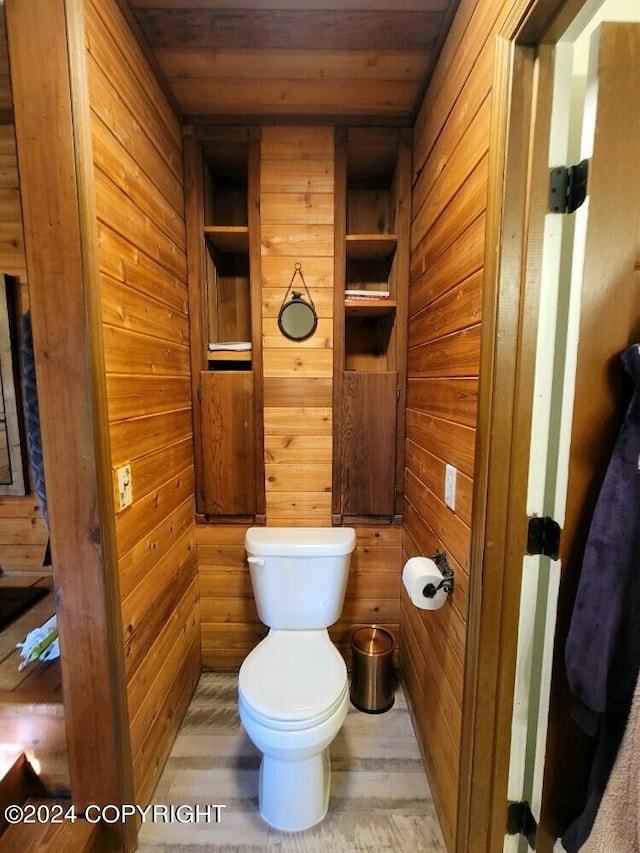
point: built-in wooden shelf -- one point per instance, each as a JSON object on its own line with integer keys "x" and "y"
{"x": 370, "y": 247}
{"x": 228, "y": 238}
{"x": 372, "y": 225}
{"x": 228, "y": 355}
{"x": 369, "y": 307}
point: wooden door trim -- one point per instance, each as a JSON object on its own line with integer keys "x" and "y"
{"x": 194, "y": 226}
{"x": 609, "y": 323}
{"x": 339, "y": 262}
{"x": 255, "y": 272}
{"x": 509, "y": 312}
{"x": 403, "y": 253}
{"x": 56, "y": 171}
{"x": 493, "y": 616}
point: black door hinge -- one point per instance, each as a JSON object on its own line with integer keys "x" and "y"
{"x": 520, "y": 821}
{"x": 568, "y": 187}
{"x": 543, "y": 536}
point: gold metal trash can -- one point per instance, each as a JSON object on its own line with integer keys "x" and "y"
{"x": 372, "y": 677}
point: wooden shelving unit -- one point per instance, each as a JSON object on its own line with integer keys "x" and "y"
{"x": 228, "y": 238}
{"x": 372, "y": 197}
{"x": 369, "y": 307}
{"x": 223, "y": 235}
{"x": 243, "y": 357}
{"x": 370, "y": 246}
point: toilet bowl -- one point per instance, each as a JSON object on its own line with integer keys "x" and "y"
{"x": 293, "y": 691}
{"x": 292, "y": 717}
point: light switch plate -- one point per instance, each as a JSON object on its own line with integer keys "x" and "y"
{"x": 450, "y": 478}
{"x": 124, "y": 486}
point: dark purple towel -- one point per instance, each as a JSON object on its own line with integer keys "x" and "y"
{"x": 603, "y": 646}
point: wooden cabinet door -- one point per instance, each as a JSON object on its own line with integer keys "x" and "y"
{"x": 368, "y": 442}
{"x": 228, "y": 440}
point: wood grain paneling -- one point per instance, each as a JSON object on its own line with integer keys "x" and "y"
{"x": 230, "y": 626}
{"x": 142, "y": 558}
{"x": 446, "y": 525}
{"x": 171, "y": 711}
{"x": 368, "y": 442}
{"x": 307, "y": 97}
{"x": 229, "y": 482}
{"x": 139, "y": 396}
{"x": 438, "y": 189}
{"x": 419, "y": 669}
{"x": 138, "y": 173}
{"x": 24, "y": 536}
{"x": 434, "y": 273}
{"x": 61, "y": 251}
{"x": 282, "y": 208}
{"x": 296, "y": 197}
{"x": 454, "y": 355}
{"x": 148, "y": 510}
{"x": 12, "y": 257}
{"x": 322, "y": 338}
{"x": 318, "y": 271}
{"x": 121, "y": 260}
{"x": 134, "y": 439}
{"x": 451, "y": 399}
{"x": 456, "y": 309}
{"x": 298, "y": 449}
{"x": 280, "y": 392}
{"x": 210, "y": 29}
{"x": 266, "y": 59}
{"x": 6, "y": 99}
{"x": 451, "y": 143}
{"x": 430, "y": 470}
{"x": 224, "y": 576}
{"x": 272, "y": 296}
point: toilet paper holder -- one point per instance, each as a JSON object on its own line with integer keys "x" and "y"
{"x": 440, "y": 559}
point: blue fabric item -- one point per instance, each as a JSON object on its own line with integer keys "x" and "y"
{"x": 602, "y": 653}
{"x": 32, "y": 415}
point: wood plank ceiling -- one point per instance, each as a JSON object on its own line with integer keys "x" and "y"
{"x": 340, "y": 61}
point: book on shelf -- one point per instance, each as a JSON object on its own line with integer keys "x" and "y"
{"x": 366, "y": 294}
{"x": 230, "y": 346}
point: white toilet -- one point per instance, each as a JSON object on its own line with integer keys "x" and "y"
{"x": 293, "y": 692}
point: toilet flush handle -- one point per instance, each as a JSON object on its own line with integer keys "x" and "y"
{"x": 256, "y": 561}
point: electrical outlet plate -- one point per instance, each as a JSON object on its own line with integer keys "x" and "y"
{"x": 124, "y": 486}
{"x": 450, "y": 477}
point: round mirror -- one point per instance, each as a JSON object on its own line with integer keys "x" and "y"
{"x": 297, "y": 319}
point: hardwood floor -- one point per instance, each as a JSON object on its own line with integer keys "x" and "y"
{"x": 380, "y": 799}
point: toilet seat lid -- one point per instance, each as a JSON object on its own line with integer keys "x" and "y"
{"x": 293, "y": 677}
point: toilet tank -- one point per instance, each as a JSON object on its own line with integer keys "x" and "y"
{"x": 299, "y": 574}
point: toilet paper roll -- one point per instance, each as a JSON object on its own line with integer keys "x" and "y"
{"x": 417, "y": 573}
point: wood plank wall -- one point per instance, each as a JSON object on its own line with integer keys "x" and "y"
{"x": 451, "y": 142}
{"x": 6, "y": 98}
{"x": 296, "y": 217}
{"x": 230, "y": 624}
{"x": 12, "y": 257}
{"x": 139, "y": 201}
{"x": 23, "y": 535}
{"x": 297, "y": 210}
